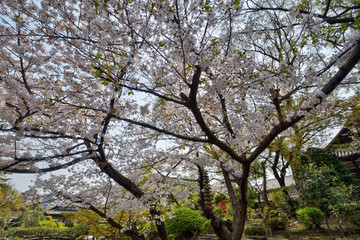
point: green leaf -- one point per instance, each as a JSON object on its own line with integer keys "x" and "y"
{"x": 213, "y": 41}
{"x": 159, "y": 84}
{"x": 236, "y": 3}
{"x": 98, "y": 57}
{"x": 207, "y": 6}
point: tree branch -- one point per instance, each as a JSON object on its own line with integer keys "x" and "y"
{"x": 327, "y": 89}
{"x": 131, "y": 233}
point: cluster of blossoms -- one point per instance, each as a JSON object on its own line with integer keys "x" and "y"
{"x": 106, "y": 85}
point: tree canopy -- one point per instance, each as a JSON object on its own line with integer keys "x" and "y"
{"x": 10, "y": 203}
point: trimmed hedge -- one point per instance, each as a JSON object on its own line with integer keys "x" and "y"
{"x": 47, "y": 232}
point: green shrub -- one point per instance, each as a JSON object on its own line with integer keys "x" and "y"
{"x": 206, "y": 227}
{"x": 251, "y": 197}
{"x": 49, "y": 222}
{"x": 69, "y": 224}
{"x": 277, "y": 197}
{"x": 251, "y": 213}
{"x": 355, "y": 219}
{"x": 219, "y": 213}
{"x": 34, "y": 231}
{"x": 31, "y": 218}
{"x": 310, "y": 217}
{"x": 47, "y": 232}
{"x": 61, "y": 225}
{"x": 219, "y": 197}
{"x": 186, "y": 222}
{"x": 78, "y": 230}
{"x": 286, "y": 235}
{"x": 254, "y": 230}
{"x": 276, "y": 223}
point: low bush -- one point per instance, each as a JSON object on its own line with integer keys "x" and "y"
{"x": 206, "y": 227}
{"x": 31, "y": 218}
{"x": 310, "y": 217}
{"x": 185, "y": 223}
{"x": 69, "y": 224}
{"x": 251, "y": 213}
{"x": 49, "y": 222}
{"x": 33, "y": 231}
{"x": 254, "y": 230}
{"x": 276, "y": 223}
{"x": 47, "y": 232}
{"x": 219, "y": 197}
{"x": 355, "y": 219}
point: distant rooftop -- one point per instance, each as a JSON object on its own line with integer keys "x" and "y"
{"x": 343, "y": 147}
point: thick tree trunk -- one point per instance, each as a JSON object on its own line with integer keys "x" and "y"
{"x": 234, "y": 230}
{"x": 239, "y": 225}
{"x": 235, "y": 203}
{"x": 239, "y": 205}
{"x": 222, "y": 229}
{"x": 161, "y": 230}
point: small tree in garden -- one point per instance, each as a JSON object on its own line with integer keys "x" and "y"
{"x": 313, "y": 131}
{"x": 31, "y": 218}
{"x": 92, "y": 222}
{"x": 325, "y": 182}
{"x": 121, "y": 92}
{"x": 10, "y": 204}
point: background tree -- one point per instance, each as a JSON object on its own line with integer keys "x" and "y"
{"x": 31, "y": 217}
{"x": 287, "y": 149}
{"x": 325, "y": 182}
{"x": 10, "y": 204}
{"x": 93, "y": 222}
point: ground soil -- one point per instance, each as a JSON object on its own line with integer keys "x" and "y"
{"x": 296, "y": 231}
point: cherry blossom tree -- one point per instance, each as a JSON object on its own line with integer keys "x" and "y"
{"x": 108, "y": 88}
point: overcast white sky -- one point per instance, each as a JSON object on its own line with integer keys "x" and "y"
{"x": 21, "y": 182}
